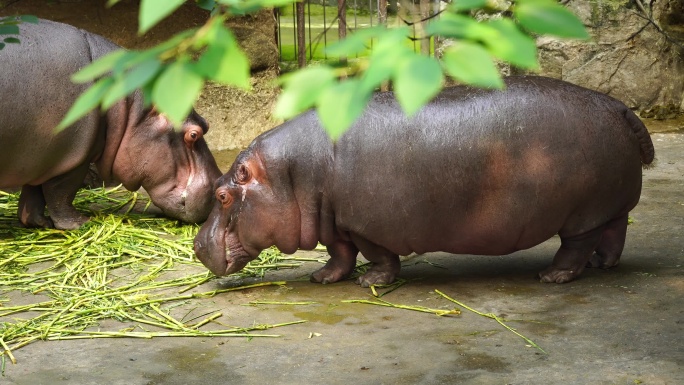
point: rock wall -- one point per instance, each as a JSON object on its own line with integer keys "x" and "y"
{"x": 629, "y": 57}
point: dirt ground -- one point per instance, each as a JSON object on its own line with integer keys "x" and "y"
{"x": 620, "y": 326}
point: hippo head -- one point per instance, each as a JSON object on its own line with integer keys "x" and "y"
{"x": 254, "y": 209}
{"x": 173, "y": 164}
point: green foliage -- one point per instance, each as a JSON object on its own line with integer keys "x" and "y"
{"x": 417, "y": 79}
{"x": 172, "y": 74}
{"x": 340, "y": 105}
{"x": 10, "y": 26}
{"x": 302, "y": 89}
{"x": 467, "y": 5}
{"x": 176, "y": 90}
{"x": 549, "y": 17}
{"x": 154, "y": 11}
{"x": 470, "y": 63}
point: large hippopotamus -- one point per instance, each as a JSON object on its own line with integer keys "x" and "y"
{"x": 130, "y": 144}
{"x": 474, "y": 172}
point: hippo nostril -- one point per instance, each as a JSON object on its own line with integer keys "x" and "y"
{"x": 183, "y": 197}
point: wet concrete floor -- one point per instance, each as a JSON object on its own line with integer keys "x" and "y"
{"x": 620, "y": 326}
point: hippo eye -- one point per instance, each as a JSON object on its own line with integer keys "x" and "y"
{"x": 191, "y": 136}
{"x": 224, "y": 197}
{"x": 242, "y": 174}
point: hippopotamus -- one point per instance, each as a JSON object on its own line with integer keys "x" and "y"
{"x": 129, "y": 143}
{"x": 483, "y": 172}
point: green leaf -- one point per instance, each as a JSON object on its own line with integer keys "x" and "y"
{"x": 9, "y": 29}
{"x": 460, "y": 27}
{"x": 302, "y": 89}
{"x": 466, "y": 5}
{"x": 249, "y": 6}
{"x": 29, "y": 19}
{"x": 224, "y": 61}
{"x": 207, "y": 5}
{"x": 380, "y": 68}
{"x": 131, "y": 81}
{"x": 340, "y": 105}
{"x": 225, "y": 64}
{"x": 549, "y": 18}
{"x": 85, "y": 103}
{"x": 176, "y": 90}
{"x": 11, "y": 40}
{"x": 470, "y": 63}
{"x": 355, "y": 43}
{"x": 153, "y": 11}
{"x": 2, "y": 45}
{"x": 99, "y": 67}
{"x": 166, "y": 45}
{"x": 387, "y": 52}
{"x": 512, "y": 45}
{"x": 416, "y": 81}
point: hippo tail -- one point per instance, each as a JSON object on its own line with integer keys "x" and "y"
{"x": 647, "y": 151}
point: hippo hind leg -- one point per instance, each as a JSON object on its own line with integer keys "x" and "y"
{"x": 386, "y": 265}
{"x": 59, "y": 193}
{"x": 572, "y": 256}
{"x": 31, "y": 210}
{"x": 612, "y": 243}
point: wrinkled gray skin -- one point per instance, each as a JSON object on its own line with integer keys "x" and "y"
{"x": 128, "y": 144}
{"x": 475, "y": 172}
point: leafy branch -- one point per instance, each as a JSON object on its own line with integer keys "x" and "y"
{"x": 172, "y": 74}
{"x": 10, "y": 26}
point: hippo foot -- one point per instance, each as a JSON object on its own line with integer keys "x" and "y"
{"x": 553, "y": 274}
{"x": 70, "y": 223}
{"x": 602, "y": 262}
{"x": 375, "y": 277}
{"x": 37, "y": 221}
{"x": 328, "y": 274}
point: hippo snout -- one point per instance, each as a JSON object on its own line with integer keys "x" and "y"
{"x": 217, "y": 266}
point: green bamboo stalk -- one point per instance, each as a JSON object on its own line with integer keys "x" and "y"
{"x": 494, "y": 317}
{"x": 423, "y": 309}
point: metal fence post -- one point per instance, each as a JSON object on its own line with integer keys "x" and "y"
{"x": 342, "y": 23}
{"x": 301, "y": 38}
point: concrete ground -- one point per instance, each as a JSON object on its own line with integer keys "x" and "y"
{"x": 620, "y": 326}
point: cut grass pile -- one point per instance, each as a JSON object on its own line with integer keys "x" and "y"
{"x": 57, "y": 285}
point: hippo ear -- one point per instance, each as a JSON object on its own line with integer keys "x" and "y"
{"x": 242, "y": 174}
{"x": 250, "y": 170}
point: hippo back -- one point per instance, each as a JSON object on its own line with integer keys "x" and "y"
{"x": 37, "y": 92}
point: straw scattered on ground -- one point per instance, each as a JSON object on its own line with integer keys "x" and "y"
{"x": 133, "y": 268}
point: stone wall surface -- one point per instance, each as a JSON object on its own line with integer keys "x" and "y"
{"x": 629, "y": 57}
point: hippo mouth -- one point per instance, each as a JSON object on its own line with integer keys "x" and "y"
{"x": 236, "y": 256}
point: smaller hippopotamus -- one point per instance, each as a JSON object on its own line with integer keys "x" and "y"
{"x": 476, "y": 171}
{"x": 129, "y": 144}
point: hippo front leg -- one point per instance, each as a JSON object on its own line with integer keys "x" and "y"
{"x": 59, "y": 193}
{"x": 340, "y": 265}
{"x": 386, "y": 265}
